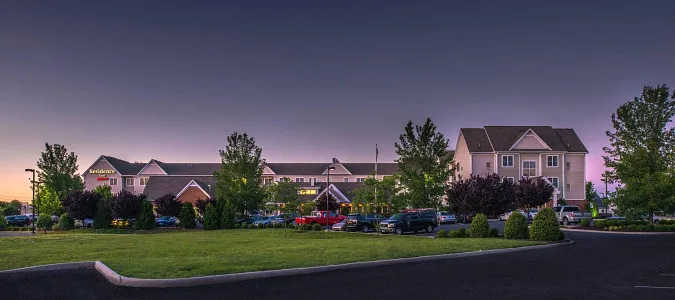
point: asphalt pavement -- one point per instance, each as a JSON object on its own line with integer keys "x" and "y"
{"x": 598, "y": 266}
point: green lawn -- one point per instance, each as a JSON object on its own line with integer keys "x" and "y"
{"x": 196, "y": 253}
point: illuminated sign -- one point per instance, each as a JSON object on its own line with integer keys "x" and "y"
{"x": 307, "y": 192}
{"x": 102, "y": 179}
{"x": 102, "y": 171}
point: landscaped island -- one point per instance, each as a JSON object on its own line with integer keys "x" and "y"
{"x": 179, "y": 254}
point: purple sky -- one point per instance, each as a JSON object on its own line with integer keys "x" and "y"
{"x": 311, "y": 81}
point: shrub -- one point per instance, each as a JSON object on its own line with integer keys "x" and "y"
{"x": 462, "y": 232}
{"x": 317, "y": 227}
{"x": 442, "y": 234}
{"x": 493, "y": 233}
{"x": 251, "y": 226}
{"x": 146, "y": 218}
{"x": 126, "y": 205}
{"x": 600, "y": 224}
{"x": 168, "y": 205}
{"x": 585, "y": 223}
{"x": 545, "y": 226}
{"x": 103, "y": 217}
{"x": 3, "y": 222}
{"x": 66, "y": 222}
{"x": 44, "y": 222}
{"x": 516, "y": 227}
{"x": 14, "y": 228}
{"x": 459, "y": 233}
{"x": 25, "y": 228}
{"x": 56, "y": 227}
{"x": 211, "y": 218}
{"x": 664, "y": 228}
{"x": 479, "y": 226}
{"x": 187, "y": 216}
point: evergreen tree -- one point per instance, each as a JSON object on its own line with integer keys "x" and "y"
{"x": 187, "y": 216}
{"x": 146, "y": 218}
{"x": 211, "y": 217}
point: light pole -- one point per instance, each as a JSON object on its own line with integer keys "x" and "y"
{"x": 33, "y": 201}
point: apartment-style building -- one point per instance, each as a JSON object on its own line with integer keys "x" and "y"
{"x": 514, "y": 152}
{"x": 193, "y": 181}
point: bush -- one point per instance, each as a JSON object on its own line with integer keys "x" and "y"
{"x": 44, "y": 222}
{"x": 103, "y": 217}
{"x": 56, "y": 227}
{"x": 459, "y": 233}
{"x": 251, "y": 226}
{"x": 66, "y": 222}
{"x": 3, "y": 222}
{"x": 493, "y": 233}
{"x": 600, "y": 224}
{"x": 187, "y": 216}
{"x": 317, "y": 227}
{"x": 585, "y": 223}
{"x": 167, "y": 205}
{"x": 442, "y": 234}
{"x": 146, "y": 218}
{"x": 479, "y": 226}
{"x": 211, "y": 218}
{"x": 545, "y": 226}
{"x": 664, "y": 228}
{"x": 516, "y": 227}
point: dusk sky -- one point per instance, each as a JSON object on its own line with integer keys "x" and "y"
{"x": 312, "y": 80}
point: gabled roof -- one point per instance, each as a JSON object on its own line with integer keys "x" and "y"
{"x": 298, "y": 168}
{"x": 124, "y": 167}
{"x": 368, "y": 168}
{"x": 157, "y": 186}
{"x": 502, "y": 138}
{"x": 203, "y": 169}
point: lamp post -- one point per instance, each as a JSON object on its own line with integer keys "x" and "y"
{"x": 33, "y": 201}
{"x": 330, "y": 167}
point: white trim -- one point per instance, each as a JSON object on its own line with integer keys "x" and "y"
{"x": 133, "y": 181}
{"x": 513, "y": 160}
{"x": 335, "y": 165}
{"x": 540, "y": 166}
{"x": 557, "y": 160}
{"x": 489, "y": 141}
{"x": 327, "y": 190}
{"x": 522, "y": 167}
{"x": 110, "y": 181}
{"x": 150, "y": 162}
{"x": 268, "y": 168}
{"x": 557, "y": 179}
{"x": 146, "y": 181}
{"x": 302, "y": 179}
{"x": 191, "y": 184}
{"x": 496, "y": 166}
{"x": 563, "y": 169}
{"x": 535, "y": 136}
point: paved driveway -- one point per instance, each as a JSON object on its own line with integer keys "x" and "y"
{"x": 597, "y": 267}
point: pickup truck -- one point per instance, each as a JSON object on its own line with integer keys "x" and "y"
{"x": 359, "y": 222}
{"x": 406, "y": 222}
{"x": 321, "y": 217}
{"x": 568, "y": 214}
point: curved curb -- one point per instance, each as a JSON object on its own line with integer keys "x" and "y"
{"x": 117, "y": 279}
{"x": 51, "y": 267}
{"x": 120, "y": 280}
{"x": 617, "y": 232}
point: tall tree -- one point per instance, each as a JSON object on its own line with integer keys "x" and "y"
{"x": 240, "y": 176}
{"x": 81, "y": 205}
{"x": 490, "y": 195}
{"x": 532, "y": 193}
{"x": 590, "y": 198}
{"x": 386, "y": 189}
{"x": 423, "y": 164}
{"x": 103, "y": 217}
{"x": 57, "y": 169}
{"x": 168, "y": 205}
{"x": 640, "y": 156}
{"x": 126, "y": 205}
{"x": 48, "y": 201}
{"x": 327, "y": 201}
{"x": 11, "y": 208}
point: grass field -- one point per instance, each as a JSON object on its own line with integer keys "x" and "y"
{"x": 175, "y": 254}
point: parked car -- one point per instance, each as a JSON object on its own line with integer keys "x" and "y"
{"x": 247, "y": 219}
{"x": 506, "y": 215}
{"x": 321, "y": 217}
{"x": 532, "y": 214}
{"x": 17, "y": 220}
{"x": 339, "y": 226}
{"x": 285, "y": 218}
{"x": 88, "y": 223}
{"x": 359, "y": 222}
{"x": 660, "y": 217}
{"x": 263, "y": 221}
{"x": 406, "y": 222}
{"x": 55, "y": 219}
{"x": 426, "y": 213}
{"x": 166, "y": 221}
{"x": 569, "y": 214}
{"x": 445, "y": 217}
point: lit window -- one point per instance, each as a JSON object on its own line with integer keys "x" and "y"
{"x": 552, "y": 161}
{"x": 507, "y": 160}
{"x": 143, "y": 181}
{"x": 129, "y": 181}
{"x": 529, "y": 168}
{"x": 299, "y": 179}
{"x": 113, "y": 181}
{"x": 360, "y": 179}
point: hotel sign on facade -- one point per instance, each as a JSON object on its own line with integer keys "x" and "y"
{"x": 102, "y": 171}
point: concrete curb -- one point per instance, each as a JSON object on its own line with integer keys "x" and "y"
{"x": 616, "y": 232}
{"x": 51, "y": 267}
{"x": 120, "y": 280}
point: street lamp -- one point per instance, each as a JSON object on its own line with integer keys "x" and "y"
{"x": 33, "y": 201}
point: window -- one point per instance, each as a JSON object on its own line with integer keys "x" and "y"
{"x": 346, "y": 179}
{"x": 268, "y": 181}
{"x": 552, "y": 161}
{"x": 487, "y": 164}
{"x": 554, "y": 182}
{"x": 113, "y": 181}
{"x": 557, "y": 209}
{"x": 283, "y": 179}
{"x": 143, "y": 181}
{"x": 568, "y": 187}
{"x": 529, "y": 168}
{"x": 360, "y": 179}
{"x": 129, "y": 181}
{"x": 299, "y": 179}
{"x": 507, "y": 161}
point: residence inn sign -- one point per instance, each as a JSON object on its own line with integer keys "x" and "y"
{"x": 101, "y": 171}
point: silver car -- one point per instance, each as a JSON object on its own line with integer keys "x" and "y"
{"x": 339, "y": 226}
